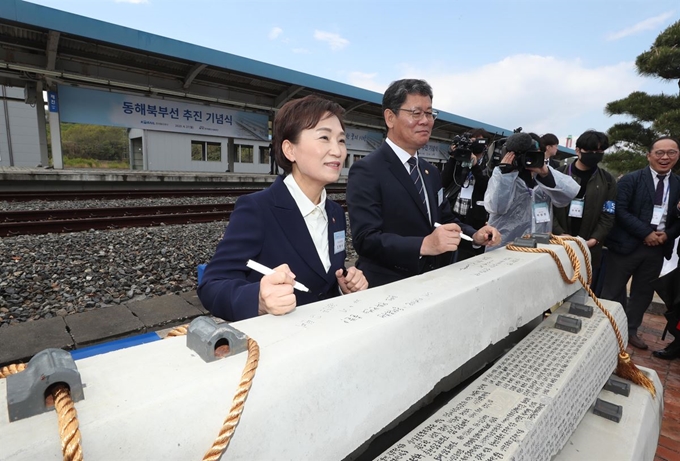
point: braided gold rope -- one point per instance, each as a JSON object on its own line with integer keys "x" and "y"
{"x": 12, "y": 369}
{"x": 584, "y": 250}
{"x": 68, "y": 424}
{"x": 230, "y": 423}
{"x": 555, "y": 258}
{"x": 179, "y": 331}
{"x": 626, "y": 368}
{"x": 66, "y": 415}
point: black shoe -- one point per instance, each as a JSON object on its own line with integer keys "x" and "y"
{"x": 672, "y": 351}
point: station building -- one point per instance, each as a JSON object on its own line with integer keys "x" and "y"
{"x": 186, "y": 107}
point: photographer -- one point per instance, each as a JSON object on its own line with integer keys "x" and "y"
{"x": 464, "y": 179}
{"x": 522, "y": 190}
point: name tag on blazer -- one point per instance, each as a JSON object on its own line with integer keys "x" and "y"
{"x": 339, "y": 242}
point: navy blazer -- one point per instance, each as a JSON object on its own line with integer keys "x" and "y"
{"x": 388, "y": 219}
{"x": 268, "y": 228}
{"x": 634, "y": 208}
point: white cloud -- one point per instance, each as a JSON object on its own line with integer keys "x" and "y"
{"x": 136, "y": 2}
{"x": 366, "y": 81}
{"x": 647, "y": 24}
{"x": 274, "y": 33}
{"x": 335, "y": 41}
{"x": 539, "y": 93}
{"x": 300, "y": 50}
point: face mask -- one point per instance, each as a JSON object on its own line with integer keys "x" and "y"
{"x": 591, "y": 159}
{"x": 478, "y": 146}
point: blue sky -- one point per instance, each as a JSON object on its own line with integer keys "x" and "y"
{"x": 545, "y": 65}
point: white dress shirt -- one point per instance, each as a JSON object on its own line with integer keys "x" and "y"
{"x": 666, "y": 183}
{"x": 315, "y": 218}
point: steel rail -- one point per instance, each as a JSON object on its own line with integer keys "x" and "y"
{"x": 129, "y": 194}
{"x": 47, "y": 226}
{"x": 119, "y": 222}
{"x": 84, "y": 213}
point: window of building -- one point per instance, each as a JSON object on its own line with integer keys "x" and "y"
{"x": 244, "y": 154}
{"x": 264, "y": 155}
{"x": 197, "y": 150}
{"x": 203, "y": 151}
{"x": 214, "y": 151}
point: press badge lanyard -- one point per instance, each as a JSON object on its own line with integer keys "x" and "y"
{"x": 659, "y": 210}
{"x": 466, "y": 189}
{"x": 541, "y": 211}
{"x": 577, "y": 205}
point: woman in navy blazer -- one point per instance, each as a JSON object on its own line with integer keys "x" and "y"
{"x": 269, "y": 227}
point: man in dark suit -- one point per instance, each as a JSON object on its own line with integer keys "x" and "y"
{"x": 395, "y": 199}
{"x": 645, "y": 229}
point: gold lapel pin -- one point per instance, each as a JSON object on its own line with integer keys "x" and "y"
{"x": 427, "y": 171}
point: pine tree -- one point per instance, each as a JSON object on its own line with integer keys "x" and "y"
{"x": 654, "y": 115}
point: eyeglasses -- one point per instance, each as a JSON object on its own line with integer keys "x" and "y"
{"x": 417, "y": 114}
{"x": 672, "y": 153}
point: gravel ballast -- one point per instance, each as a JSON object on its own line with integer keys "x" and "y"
{"x": 59, "y": 274}
{"x": 42, "y": 276}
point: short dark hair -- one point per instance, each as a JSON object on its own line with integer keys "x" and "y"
{"x": 479, "y": 133}
{"x": 592, "y": 140}
{"x": 298, "y": 115}
{"x": 549, "y": 139}
{"x": 662, "y": 138}
{"x": 398, "y": 91}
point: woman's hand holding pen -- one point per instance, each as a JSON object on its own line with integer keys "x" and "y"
{"x": 276, "y": 292}
{"x": 351, "y": 280}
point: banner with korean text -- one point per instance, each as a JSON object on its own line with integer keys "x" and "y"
{"x": 435, "y": 151}
{"x": 362, "y": 140}
{"x": 95, "y": 107}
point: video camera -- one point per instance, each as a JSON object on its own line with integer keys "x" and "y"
{"x": 529, "y": 159}
{"x": 527, "y": 151}
{"x": 496, "y": 152}
{"x": 465, "y": 147}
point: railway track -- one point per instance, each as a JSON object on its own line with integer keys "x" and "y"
{"x": 23, "y": 222}
{"x": 129, "y": 194}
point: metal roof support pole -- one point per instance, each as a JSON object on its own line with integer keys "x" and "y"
{"x": 42, "y": 129}
{"x": 8, "y": 129}
{"x": 55, "y": 136}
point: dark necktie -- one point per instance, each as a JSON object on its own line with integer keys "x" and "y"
{"x": 658, "y": 193}
{"x": 415, "y": 177}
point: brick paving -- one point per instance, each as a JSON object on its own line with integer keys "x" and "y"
{"x": 669, "y": 374}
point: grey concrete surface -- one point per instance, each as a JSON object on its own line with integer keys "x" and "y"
{"x": 18, "y": 343}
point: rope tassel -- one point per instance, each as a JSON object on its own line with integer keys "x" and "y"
{"x": 625, "y": 369}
